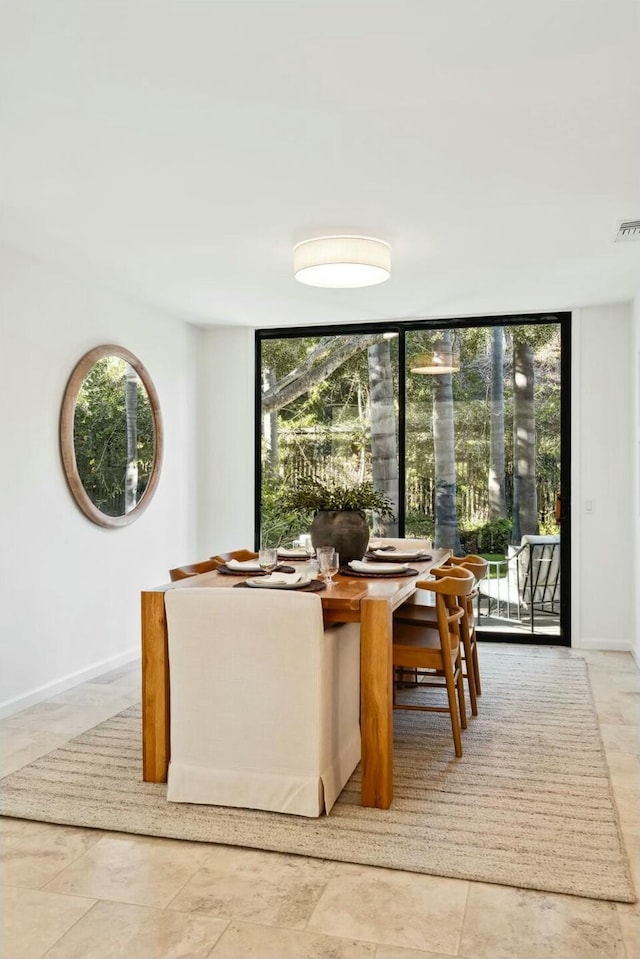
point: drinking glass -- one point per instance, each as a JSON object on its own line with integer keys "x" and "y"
{"x": 329, "y": 565}
{"x": 268, "y": 559}
{"x": 323, "y": 549}
{"x": 308, "y": 546}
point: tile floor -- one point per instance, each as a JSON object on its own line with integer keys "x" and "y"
{"x": 72, "y": 893}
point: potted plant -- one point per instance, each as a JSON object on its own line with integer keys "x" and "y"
{"x": 338, "y": 511}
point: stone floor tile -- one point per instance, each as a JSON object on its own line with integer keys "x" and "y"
{"x": 141, "y": 870}
{"x": 115, "y": 930}
{"x": 397, "y": 952}
{"x": 502, "y": 922}
{"x": 129, "y": 673}
{"x": 97, "y": 694}
{"x": 620, "y": 738}
{"x": 631, "y": 837}
{"x": 244, "y": 940}
{"x": 623, "y": 764}
{"x": 32, "y": 920}
{"x": 629, "y": 917}
{"x": 606, "y": 660}
{"x": 21, "y": 746}
{"x": 392, "y": 907}
{"x": 248, "y": 884}
{"x": 64, "y": 718}
{"x": 36, "y": 852}
{"x": 605, "y": 683}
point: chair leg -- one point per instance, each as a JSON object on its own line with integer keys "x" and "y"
{"x": 476, "y": 666}
{"x": 451, "y": 683}
{"x": 460, "y": 686}
{"x": 470, "y": 674}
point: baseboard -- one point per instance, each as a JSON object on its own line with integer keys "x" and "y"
{"x": 635, "y": 652}
{"x": 606, "y": 645}
{"x": 11, "y": 706}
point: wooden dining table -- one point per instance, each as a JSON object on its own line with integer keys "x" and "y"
{"x": 370, "y": 601}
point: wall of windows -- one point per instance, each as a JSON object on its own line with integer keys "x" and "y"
{"x": 471, "y": 452}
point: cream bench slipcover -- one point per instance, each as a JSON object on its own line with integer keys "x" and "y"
{"x": 265, "y": 702}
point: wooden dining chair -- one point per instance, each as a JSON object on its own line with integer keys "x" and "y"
{"x": 239, "y": 554}
{"x": 280, "y": 731}
{"x": 479, "y": 567}
{"x": 206, "y": 565}
{"x": 423, "y": 613}
{"x": 192, "y": 569}
{"x": 434, "y": 653}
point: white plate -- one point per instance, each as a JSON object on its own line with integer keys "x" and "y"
{"x": 246, "y": 566}
{"x": 400, "y": 556}
{"x": 376, "y": 568}
{"x": 261, "y": 583}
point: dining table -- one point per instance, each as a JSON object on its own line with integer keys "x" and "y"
{"x": 367, "y": 599}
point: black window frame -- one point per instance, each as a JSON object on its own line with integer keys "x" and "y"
{"x": 401, "y": 328}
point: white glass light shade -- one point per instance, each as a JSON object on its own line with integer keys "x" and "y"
{"x": 440, "y": 361}
{"x": 342, "y": 261}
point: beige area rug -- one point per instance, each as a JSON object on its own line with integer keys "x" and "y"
{"x": 530, "y": 803}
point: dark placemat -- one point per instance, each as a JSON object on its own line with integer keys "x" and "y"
{"x": 314, "y": 586}
{"x": 230, "y": 571}
{"x": 347, "y": 571}
{"x": 397, "y": 559}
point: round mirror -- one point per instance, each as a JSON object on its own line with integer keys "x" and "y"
{"x": 111, "y": 436}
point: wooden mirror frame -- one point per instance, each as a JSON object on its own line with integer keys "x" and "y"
{"x": 67, "y": 447}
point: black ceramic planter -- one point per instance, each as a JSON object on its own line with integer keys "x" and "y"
{"x": 344, "y": 529}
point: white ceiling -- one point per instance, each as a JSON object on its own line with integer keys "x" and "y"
{"x": 178, "y": 149}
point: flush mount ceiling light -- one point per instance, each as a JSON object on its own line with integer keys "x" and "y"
{"x": 342, "y": 261}
{"x": 439, "y": 361}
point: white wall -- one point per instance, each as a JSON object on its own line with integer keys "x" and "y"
{"x": 604, "y": 589}
{"x": 225, "y": 439}
{"x": 635, "y": 492}
{"x": 70, "y": 589}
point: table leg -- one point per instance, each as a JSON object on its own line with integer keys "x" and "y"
{"x": 155, "y": 688}
{"x": 376, "y": 697}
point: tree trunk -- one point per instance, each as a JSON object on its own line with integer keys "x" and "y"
{"x": 446, "y": 520}
{"x": 384, "y": 449}
{"x": 497, "y": 499}
{"x": 525, "y": 498}
{"x": 327, "y": 357}
{"x": 270, "y": 426}
{"x": 131, "y": 414}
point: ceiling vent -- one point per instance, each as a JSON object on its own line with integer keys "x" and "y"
{"x": 628, "y": 230}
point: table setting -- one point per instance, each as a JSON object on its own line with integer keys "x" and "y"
{"x": 395, "y": 555}
{"x": 376, "y": 568}
{"x": 251, "y": 567}
{"x": 296, "y": 581}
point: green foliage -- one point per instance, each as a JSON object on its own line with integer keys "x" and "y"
{"x": 549, "y": 527}
{"x": 287, "y": 510}
{"x": 492, "y": 537}
{"x": 280, "y": 526}
{"x": 311, "y": 495}
{"x": 100, "y": 436}
{"x": 418, "y": 524}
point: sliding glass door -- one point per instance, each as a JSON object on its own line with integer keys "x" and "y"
{"x": 483, "y": 462}
{"x": 463, "y": 425}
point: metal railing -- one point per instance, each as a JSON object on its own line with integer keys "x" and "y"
{"x": 524, "y": 583}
